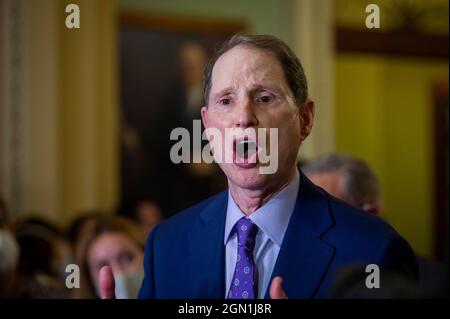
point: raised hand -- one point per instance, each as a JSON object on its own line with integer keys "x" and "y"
{"x": 107, "y": 284}
{"x": 276, "y": 290}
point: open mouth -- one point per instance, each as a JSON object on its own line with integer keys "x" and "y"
{"x": 245, "y": 152}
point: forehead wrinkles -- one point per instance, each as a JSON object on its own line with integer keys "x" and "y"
{"x": 243, "y": 67}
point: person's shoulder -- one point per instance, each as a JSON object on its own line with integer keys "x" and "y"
{"x": 357, "y": 224}
{"x": 361, "y": 236}
{"x": 184, "y": 220}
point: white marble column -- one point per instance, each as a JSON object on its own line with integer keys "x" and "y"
{"x": 313, "y": 34}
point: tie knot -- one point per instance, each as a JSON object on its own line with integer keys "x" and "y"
{"x": 246, "y": 232}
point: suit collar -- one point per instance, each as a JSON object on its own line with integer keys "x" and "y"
{"x": 304, "y": 257}
{"x": 206, "y": 250}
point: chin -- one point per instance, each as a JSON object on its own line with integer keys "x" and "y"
{"x": 249, "y": 178}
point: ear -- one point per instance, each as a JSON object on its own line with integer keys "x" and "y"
{"x": 306, "y": 117}
{"x": 203, "y": 114}
{"x": 373, "y": 208}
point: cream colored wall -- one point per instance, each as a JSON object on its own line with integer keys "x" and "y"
{"x": 71, "y": 112}
{"x": 383, "y": 115}
{"x": 313, "y": 34}
{"x": 89, "y": 147}
{"x": 42, "y": 97}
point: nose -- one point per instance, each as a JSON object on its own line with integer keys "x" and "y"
{"x": 245, "y": 115}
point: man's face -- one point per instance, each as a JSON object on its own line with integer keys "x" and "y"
{"x": 115, "y": 250}
{"x": 331, "y": 182}
{"x": 249, "y": 90}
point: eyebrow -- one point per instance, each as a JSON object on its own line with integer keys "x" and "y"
{"x": 256, "y": 88}
{"x": 222, "y": 92}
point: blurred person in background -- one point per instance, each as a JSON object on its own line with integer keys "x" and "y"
{"x": 9, "y": 255}
{"x": 147, "y": 215}
{"x": 79, "y": 232}
{"x": 347, "y": 178}
{"x": 118, "y": 243}
{"x": 350, "y": 283}
{"x": 9, "y": 258}
{"x": 44, "y": 255}
{"x": 353, "y": 181}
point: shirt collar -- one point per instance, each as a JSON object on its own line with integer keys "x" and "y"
{"x": 272, "y": 218}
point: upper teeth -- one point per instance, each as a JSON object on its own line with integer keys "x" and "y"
{"x": 250, "y": 148}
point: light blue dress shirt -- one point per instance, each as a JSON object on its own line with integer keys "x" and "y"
{"x": 272, "y": 220}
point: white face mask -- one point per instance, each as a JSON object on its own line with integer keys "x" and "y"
{"x": 9, "y": 251}
{"x": 127, "y": 284}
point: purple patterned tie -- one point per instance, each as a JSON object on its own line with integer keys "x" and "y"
{"x": 245, "y": 278}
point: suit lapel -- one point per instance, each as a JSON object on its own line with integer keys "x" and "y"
{"x": 304, "y": 257}
{"x": 207, "y": 251}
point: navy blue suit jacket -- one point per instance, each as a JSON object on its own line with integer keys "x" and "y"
{"x": 185, "y": 255}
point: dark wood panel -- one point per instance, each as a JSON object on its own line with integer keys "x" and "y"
{"x": 392, "y": 43}
{"x": 180, "y": 23}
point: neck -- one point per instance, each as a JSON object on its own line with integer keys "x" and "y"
{"x": 249, "y": 200}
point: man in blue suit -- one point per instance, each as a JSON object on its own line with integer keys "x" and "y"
{"x": 269, "y": 235}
